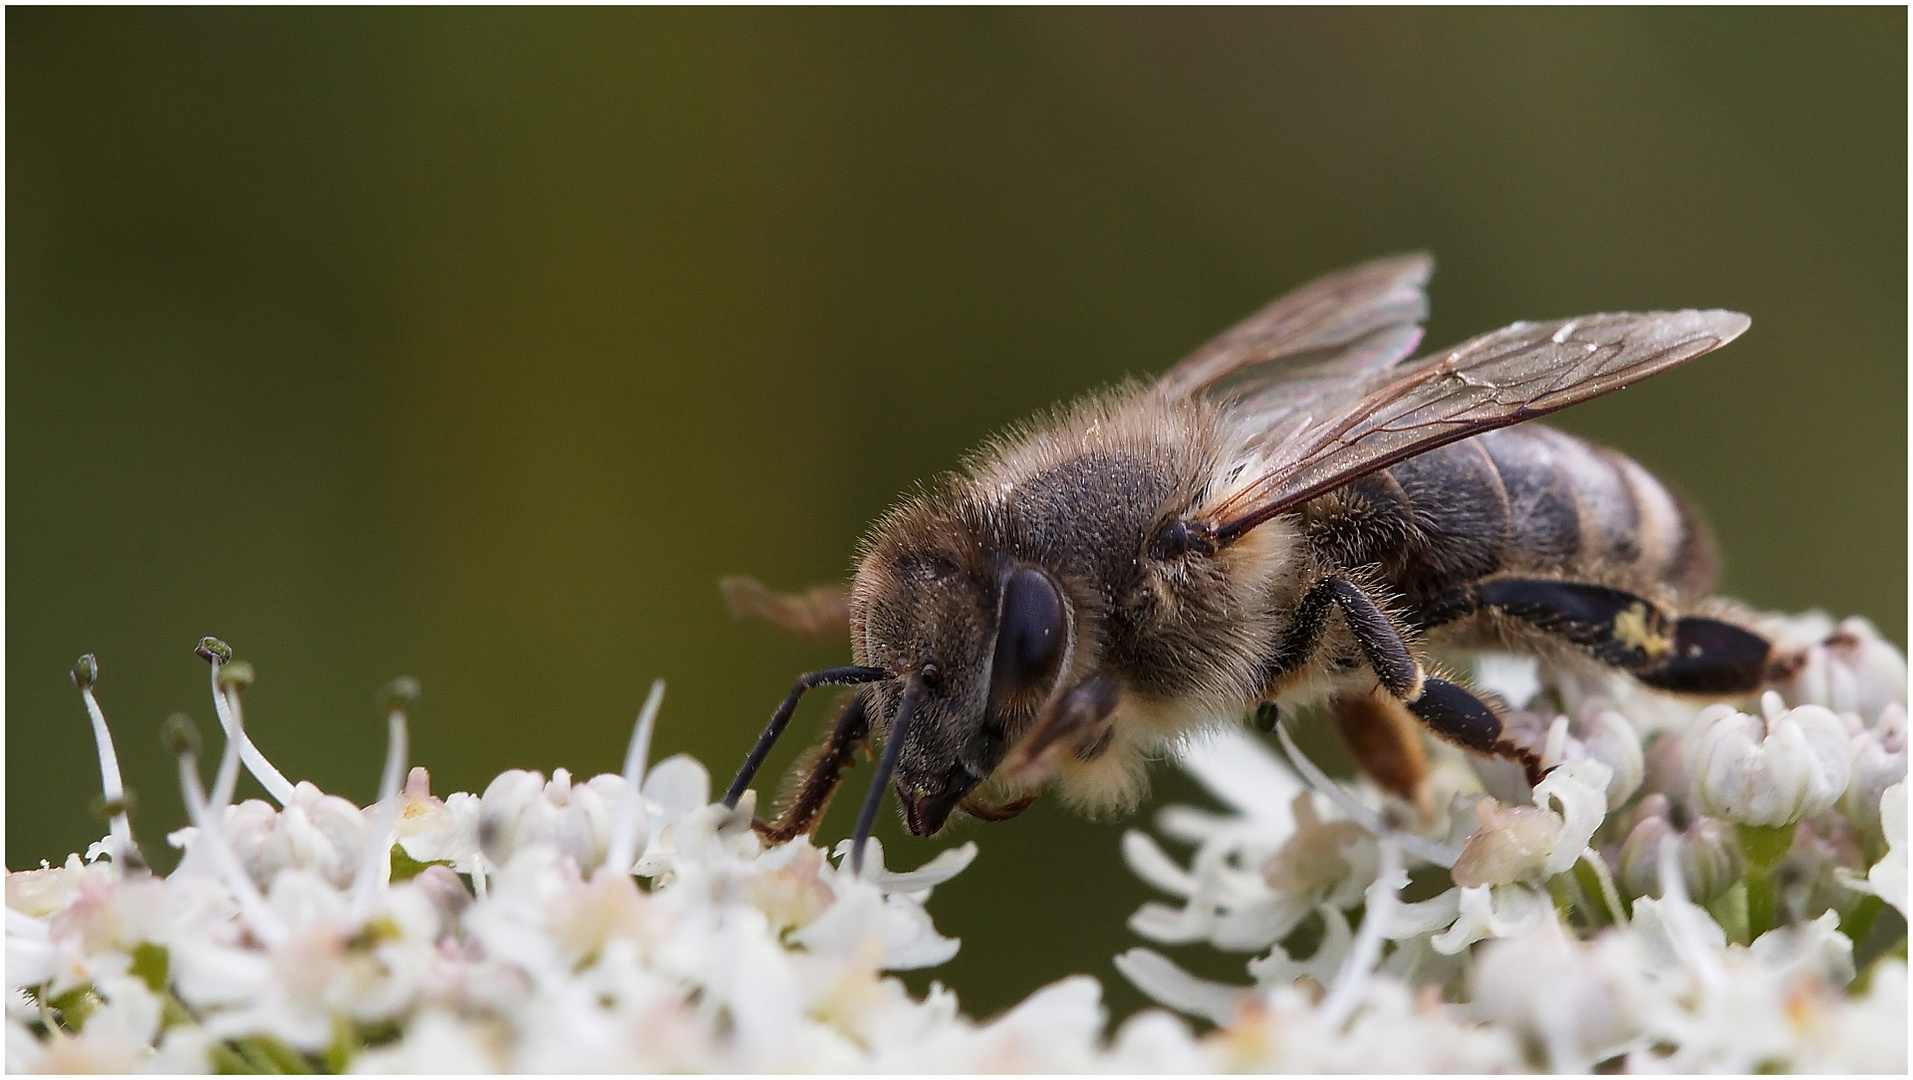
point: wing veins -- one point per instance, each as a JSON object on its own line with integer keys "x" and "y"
{"x": 1501, "y": 378}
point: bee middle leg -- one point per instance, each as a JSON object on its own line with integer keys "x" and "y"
{"x": 1686, "y": 655}
{"x": 1447, "y": 709}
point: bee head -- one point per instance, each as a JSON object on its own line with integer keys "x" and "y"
{"x": 976, "y": 642}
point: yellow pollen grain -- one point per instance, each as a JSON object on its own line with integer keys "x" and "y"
{"x": 1631, "y": 629}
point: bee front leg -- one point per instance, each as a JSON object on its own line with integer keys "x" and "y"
{"x": 822, "y": 774}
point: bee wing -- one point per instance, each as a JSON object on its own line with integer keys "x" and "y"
{"x": 1334, "y": 331}
{"x": 1497, "y": 379}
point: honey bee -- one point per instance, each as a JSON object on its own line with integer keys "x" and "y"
{"x": 1295, "y": 513}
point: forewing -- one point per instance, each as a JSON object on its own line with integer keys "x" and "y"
{"x": 1334, "y": 331}
{"x": 1502, "y": 378}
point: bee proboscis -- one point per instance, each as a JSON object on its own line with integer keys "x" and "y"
{"x": 1297, "y": 511}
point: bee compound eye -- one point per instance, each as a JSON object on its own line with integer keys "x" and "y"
{"x": 1029, "y": 637}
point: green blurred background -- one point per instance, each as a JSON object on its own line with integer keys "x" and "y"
{"x": 476, "y": 345}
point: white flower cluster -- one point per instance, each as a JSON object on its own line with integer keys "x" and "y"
{"x": 1684, "y": 891}
{"x": 622, "y": 924}
{"x": 627, "y": 924}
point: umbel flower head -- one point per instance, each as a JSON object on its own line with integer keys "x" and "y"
{"x": 624, "y": 922}
{"x": 1587, "y": 922}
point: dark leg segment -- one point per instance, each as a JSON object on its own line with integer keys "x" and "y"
{"x": 1616, "y": 627}
{"x": 1469, "y": 722}
{"x": 1076, "y": 713}
{"x": 1712, "y": 657}
{"x": 1688, "y": 655}
{"x": 1457, "y": 715}
{"x": 1303, "y": 633}
{"x": 1448, "y": 710}
{"x": 842, "y": 676}
{"x": 1381, "y": 644}
{"x": 822, "y": 774}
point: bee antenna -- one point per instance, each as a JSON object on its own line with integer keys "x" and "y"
{"x": 913, "y": 688}
{"x": 842, "y": 676}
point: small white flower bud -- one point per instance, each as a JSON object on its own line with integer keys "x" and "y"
{"x": 1867, "y": 672}
{"x": 1608, "y": 738}
{"x": 1888, "y": 876}
{"x": 1847, "y": 668}
{"x": 1879, "y": 762}
{"x": 1665, "y": 767}
{"x": 1771, "y": 770}
{"x": 315, "y": 831}
{"x": 520, "y": 809}
{"x": 1638, "y": 872}
{"x": 1710, "y": 859}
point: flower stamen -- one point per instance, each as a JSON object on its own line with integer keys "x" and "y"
{"x": 226, "y": 705}
{"x": 375, "y": 871}
{"x": 86, "y": 672}
{"x": 1421, "y": 847}
{"x": 183, "y": 739}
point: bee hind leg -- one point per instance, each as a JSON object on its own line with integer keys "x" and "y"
{"x": 1685, "y": 655}
{"x": 1712, "y": 657}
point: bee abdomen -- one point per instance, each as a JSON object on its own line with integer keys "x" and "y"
{"x": 1525, "y": 499}
{"x": 1430, "y": 522}
{"x": 1575, "y": 507}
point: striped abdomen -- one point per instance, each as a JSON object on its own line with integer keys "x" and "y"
{"x": 1521, "y": 500}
